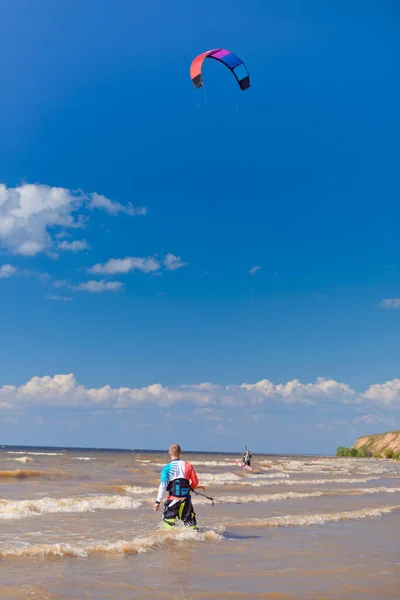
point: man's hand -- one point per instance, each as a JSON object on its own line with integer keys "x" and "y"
{"x": 156, "y": 506}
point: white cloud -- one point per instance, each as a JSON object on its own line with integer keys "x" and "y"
{"x": 254, "y": 270}
{"x": 378, "y": 419}
{"x": 390, "y": 303}
{"x": 75, "y": 246}
{"x": 114, "y": 208}
{"x": 296, "y": 392}
{"x": 147, "y": 264}
{"x": 7, "y": 271}
{"x": 60, "y": 298}
{"x": 172, "y": 262}
{"x": 125, "y": 265}
{"x": 64, "y": 391}
{"x": 90, "y": 286}
{"x": 386, "y": 394}
{"x": 30, "y": 215}
{"x": 98, "y": 286}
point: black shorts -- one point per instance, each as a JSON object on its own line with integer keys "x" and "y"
{"x": 183, "y": 509}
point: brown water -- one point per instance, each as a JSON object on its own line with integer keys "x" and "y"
{"x": 302, "y": 527}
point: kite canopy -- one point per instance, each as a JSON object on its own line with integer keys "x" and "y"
{"x": 227, "y": 58}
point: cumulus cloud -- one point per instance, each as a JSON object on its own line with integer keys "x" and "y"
{"x": 93, "y": 286}
{"x": 254, "y": 270}
{"x": 98, "y": 286}
{"x": 114, "y": 208}
{"x": 172, "y": 262}
{"x": 7, "y": 271}
{"x": 125, "y": 265}
{"x": 296, "y": 392}
{"x": 31, "y": 215}
{"x": 392, "y": 303}
{"x": 386, "y": 394}
{"x": 59, "y": 298}
{"x": 64, "y": 391}
{"x": 75, "y": 246}
{"x": 147, "y": 264}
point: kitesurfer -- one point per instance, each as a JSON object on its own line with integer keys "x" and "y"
{"x": 247, "y": 458}
{"x": 178, "y": 478}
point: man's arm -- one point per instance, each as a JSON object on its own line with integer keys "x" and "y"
{"x": 164, "y": 480}
{"x": 191, "y": 475}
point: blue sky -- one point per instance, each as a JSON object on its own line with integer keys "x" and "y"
{"x": 297, "y": 176}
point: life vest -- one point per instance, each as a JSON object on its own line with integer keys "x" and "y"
{"x": 180, "y": 488}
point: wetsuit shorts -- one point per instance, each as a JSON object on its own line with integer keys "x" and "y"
{"x": 183, "y": 509}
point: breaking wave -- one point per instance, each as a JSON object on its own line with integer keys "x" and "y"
{"x": 135, "y": 546}
{"x": 261, "y": 480}
{"x": 268, "y": 475}
{"x": 38, "y": 453}
{"x": 211, "y": 463}
{"x": 137, "y": 489}
{"x": 235, "y": 499}
{"x": 267, "y": 497}
{"x": 23, "y": 459}
{"x": 83, "y": 458}
{"x": 19, "y": 509}
{"x": 318, "y": 519}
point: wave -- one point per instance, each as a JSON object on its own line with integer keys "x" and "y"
{"x": 19, "y": 509}
{"x": 361, "y": 491}
{"x": 25, "y": 474}
{"x": 251, "y": 498}
{"x": 258, "y": 480}
{"x": 137, "y": 489}
{"x": 212, "y": 463}
{"x": 38, "y": 453}
{"x": 135, "y": 546}
{"x": 23, "y": 459}
{"x": 83, "y": 458}
{"x": 267, "y": 497}
{"x": 268, "y": 475}
{"x": 317, "y": 519}
{"x": 220, "y": 478}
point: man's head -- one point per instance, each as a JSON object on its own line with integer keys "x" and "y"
{"x": 175, "y": 451}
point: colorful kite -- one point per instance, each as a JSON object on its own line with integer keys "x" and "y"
{"x": 227, "y": 58}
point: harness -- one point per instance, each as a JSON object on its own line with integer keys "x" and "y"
{"x": 180, "y": 488}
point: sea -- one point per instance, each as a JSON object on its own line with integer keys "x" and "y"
{"x": 79, "y": 523}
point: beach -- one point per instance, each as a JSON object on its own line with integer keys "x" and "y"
{"x": 79, "y": 524}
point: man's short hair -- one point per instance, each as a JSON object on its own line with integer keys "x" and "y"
{"x": 175, "y": 449}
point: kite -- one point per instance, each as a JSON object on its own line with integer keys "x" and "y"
{"x": 227, "y": 58}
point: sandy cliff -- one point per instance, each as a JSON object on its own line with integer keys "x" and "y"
{"x": 379, "y": 443}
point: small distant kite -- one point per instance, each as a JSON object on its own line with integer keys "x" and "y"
{"x": 227, "y": 58}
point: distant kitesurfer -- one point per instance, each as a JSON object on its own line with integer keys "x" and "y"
{"x": 247, "y": 458}
{"x": 178, "y": 478}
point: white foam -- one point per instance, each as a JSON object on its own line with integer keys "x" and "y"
{"x": 259, "y": 480}
{"x": 211, "y": 463}
{"x": 19, "y": 509}
{"x": 23, "y": 459}
{"x": 317, "y": 519}
{"x": 83, "y": 458}
{"x": 268, "y": 497}
{"x": 135, "y": 546}
{"x": 38, "y": 453}
{"x": 220, "y": 478}
{"x": 137, "y": 489}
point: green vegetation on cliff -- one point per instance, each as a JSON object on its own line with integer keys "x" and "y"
{"x": 379, "y": 445}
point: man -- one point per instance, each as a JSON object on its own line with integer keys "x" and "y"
{"x": 247, "y": 458}
{"x": 178, "y": 478}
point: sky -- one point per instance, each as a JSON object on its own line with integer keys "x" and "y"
{"x": 207, "y": 267}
